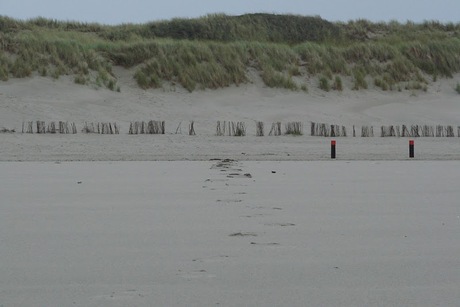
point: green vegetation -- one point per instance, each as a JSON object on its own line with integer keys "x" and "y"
{"x": 324, "y": 84}
{"x": 337, "y": 85}
{"x": 217, "y": 51}
{"x": 359, "y": 77}
{"x": 458, "y": 88}
{"x": 80, "y": 79}
{"x": 382, "y": 83}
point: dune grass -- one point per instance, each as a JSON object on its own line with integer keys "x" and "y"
{"x": 324, "y": 84}
{"x": 217, "y": 51}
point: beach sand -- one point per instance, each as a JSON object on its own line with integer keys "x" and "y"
{"x": 165, "y": 220}
{"x": 43, "y": 99}
{"x": 229, "y": 233}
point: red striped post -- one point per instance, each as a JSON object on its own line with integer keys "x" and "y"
{"x": 411, "y": 149}
{"x": 333, "y": 151}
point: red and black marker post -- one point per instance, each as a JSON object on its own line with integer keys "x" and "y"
{"x": 333, "y": 151}
{"x": 411, "y": 149}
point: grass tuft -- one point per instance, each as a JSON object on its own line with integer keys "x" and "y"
{"x": 80, "y": 79}
{"x": 324, "y": 84}
{"x": 359, "y": 79}
{"x": 273, "y": 78}
{"x": 382, "y": 83}
{"x": 337, "y": 85}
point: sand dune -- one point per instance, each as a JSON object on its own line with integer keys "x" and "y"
{"x": 236, "y": 232}
{"x": 43, "y": 99}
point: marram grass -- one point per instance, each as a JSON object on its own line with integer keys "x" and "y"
{"x": 217, "y": 51}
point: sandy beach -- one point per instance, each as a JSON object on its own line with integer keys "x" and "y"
{"x": 42, "y": 99}
{"x": 228, "y": 233}
{"x": 206, "y": 220}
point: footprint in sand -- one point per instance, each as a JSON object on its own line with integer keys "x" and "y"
{"x": 243, "y": 234}
{"x": 229, "y": 200}
{"x": 218, "y": 258}
{"x": 238, "y": 175}
{"x": 266, "y": 244}
{"x": 280, "y": 224}
{"x": 255, "y": 215}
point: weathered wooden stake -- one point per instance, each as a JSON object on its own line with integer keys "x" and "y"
{"x": 411, "y": 149}
{"x": 333, "y": 150}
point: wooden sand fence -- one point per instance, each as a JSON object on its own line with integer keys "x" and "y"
{"x": 230, "y": 128}
{"x": 60, "y": 127}
{"x": 293, "y": 128}
{"x": 260, "y": 129}
{"x": 101, "y": 128}
{"x": 367, "y": 131}
{"x": 275, "y": 129}
{"x": 151, "y": 127}
{"x": 327, "y": 130}
{"x": 416, "y": 131}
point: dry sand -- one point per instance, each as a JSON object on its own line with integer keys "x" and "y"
{"x": 317, "y": 233}
{"x": 47, "y": 100}
{"x": 258, "y": 231}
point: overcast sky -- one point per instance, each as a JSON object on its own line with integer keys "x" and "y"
{"x": 140, "y": 11}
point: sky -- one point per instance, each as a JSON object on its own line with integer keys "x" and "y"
{"x": 141, "y": 11}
